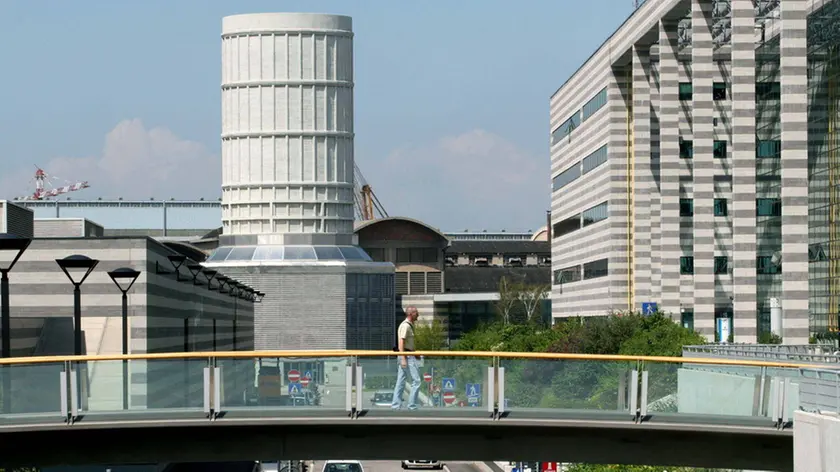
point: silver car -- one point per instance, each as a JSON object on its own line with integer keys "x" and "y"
{"x": 382, "y": 398}
{"x": 422, "y": 465}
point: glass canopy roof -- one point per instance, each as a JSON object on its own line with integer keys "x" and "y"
{"x": 288, "y": 253}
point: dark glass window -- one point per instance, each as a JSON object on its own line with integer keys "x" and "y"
{"x": 686, "y": 207}
{"x": 721, "y": 265}
{"x": 686, "y": 149}
{"x": 720, "y": 149}
{"x": 566, "y": 226}
{"x": 565, "y": 129}
{"x": 594, "y": 104}
{"x": 686, "y": 90}
{"x": 567, "y": 275}
{"x": 768, "y": 149}
{"x": 720, "y": 207}
{"x": 768, "y": 207}
{"x": 595, "y": 269}
{"x": 764, "y": 265}
{"x": 595, "y": 159}
{"x": 566, "y": 177}
{"x": 687, "y": 265}
{"x": 595, "y": 214}
{"x": 719, "y": 91}
{"x": 768, "y": 91}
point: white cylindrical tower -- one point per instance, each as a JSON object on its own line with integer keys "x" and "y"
{"x": 287, "y": 129}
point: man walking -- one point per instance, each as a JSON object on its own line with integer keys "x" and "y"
{"x": 407, "y": 365}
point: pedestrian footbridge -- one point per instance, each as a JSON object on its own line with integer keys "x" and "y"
{"x": 182, "y": 407}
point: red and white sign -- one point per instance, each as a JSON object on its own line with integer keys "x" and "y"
{"x": 449, "y": 398}
{"x": 549, "y": 467}
{"x": 427, "y": 377}
{"x": 305, "y": 381}
{"x": 293, "y": 375}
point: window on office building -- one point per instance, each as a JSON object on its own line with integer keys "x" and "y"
{"x": 686, "y": 91}
{"x": 687, "y": 318}
{"x": 687, "y": 265}
{"x": 567, "y": 275}
{"x": 686, "y": 149}
{"x": 720, "y": 207}
{"x": 721, "y": 265}
{"x": 768, "y": 207}
{"x": 595, "y": 214}
{"x": 720, "y": 149}
{"x": 719, "y": 91}
{"x": 686, "y": 207}
{"x": 764, "y": 265}
{"x": 768, "y": 149}
{"x": 595, "y": 269}
{"x": 768, "y": 91}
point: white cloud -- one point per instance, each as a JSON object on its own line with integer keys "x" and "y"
{"x": 475, "y": 180}
{"x": 135, "y": 162}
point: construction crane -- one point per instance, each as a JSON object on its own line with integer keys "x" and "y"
{"x": 368, "y": 206}
{"x": 42, "y": 180}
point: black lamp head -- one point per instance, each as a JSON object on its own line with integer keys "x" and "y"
{"x": 124, "y": 277}
{"x": 77, "y": 267}
{"x": 11, "y": 248}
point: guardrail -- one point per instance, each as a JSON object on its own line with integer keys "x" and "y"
{"x": 495, "y": 385}
{"x": 808, "y": 353}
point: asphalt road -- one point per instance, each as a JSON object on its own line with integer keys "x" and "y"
{"x": 394, "y": 466}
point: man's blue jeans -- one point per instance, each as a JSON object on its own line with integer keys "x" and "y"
{"x": 402, "y": 374}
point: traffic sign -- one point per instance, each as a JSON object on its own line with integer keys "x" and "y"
{"x": 427, "y": 377}
{"x": 648, "y": 308}
{"x": 295, "y": 389}
{"x": 305, "y": 381}
{"x": 549, "y": 467}
{"x": 293, "y": 375}
{"x": 448, "y": 384}
{"x": 308, "y": 374}
{"x": 449, "y": 398}
{"x": 473, "y": 392}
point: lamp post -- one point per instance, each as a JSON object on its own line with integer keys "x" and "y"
{"x": 124, "y": 278}
{"x": 77, "y": 268}
{"x": 11, "y": 248}
{"x": 233, "y": 289}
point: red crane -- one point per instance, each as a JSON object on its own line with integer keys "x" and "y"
{"x": 42, "y": 182}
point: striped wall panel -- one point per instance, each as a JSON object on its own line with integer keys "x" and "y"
{"x": 794, "y": 122}
{"x": 703, "y": 162}
{"x": 743, "y": 171}
{"x": 642, "y": 176}
{"x": 655, "y": 187}
{"x": 669, "y": 164}
{"x": 620, "y": 125}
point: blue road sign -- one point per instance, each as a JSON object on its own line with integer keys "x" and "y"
{"x": 448, "y": 385}
{"x": 473, "y": 392}
{"x": 295, "y": 388}
{"x": 308, "y": 374}
{"x": 648, "y": 308}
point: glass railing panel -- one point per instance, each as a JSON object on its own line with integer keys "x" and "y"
{"x": 457, "y": 385}
{"x": 564, "y": 386}
{"x": 30, "y": 390}
{"x": 720, "y": 393}
{"x": 284, "y": 383}
{"x": 153, "y": 384}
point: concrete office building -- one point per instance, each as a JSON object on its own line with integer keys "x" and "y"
{"x": 287, "y": 184}
{"x": 694, "y": 165}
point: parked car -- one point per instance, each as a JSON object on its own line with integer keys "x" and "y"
{"x": 382, "y": 398}
{"x": 422, "y": 465}
{"x": 343, "y": 466}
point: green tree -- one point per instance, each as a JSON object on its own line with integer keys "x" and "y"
{"x": 431, "y": 336}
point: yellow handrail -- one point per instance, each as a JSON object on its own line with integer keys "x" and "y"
{"x": 348, "y": 353}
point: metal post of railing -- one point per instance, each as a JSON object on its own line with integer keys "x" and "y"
{"x": 349, "y": 385}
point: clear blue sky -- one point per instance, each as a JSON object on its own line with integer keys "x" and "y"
{"x": 451, "y": 98}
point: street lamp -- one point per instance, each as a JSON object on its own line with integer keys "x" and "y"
{"x": 195, "y": 270}
{"x": 124, "y": 278}
{"x": 209, "y": 274}
{"x": 77, "y": 268}
{"x": 234, "y": 288}
{"x": 177, "y": 260}
{"x": 11, "y": 248}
